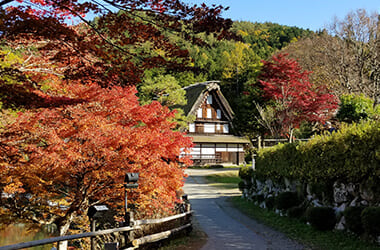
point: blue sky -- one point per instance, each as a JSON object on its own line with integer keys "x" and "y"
{"x": 308, "y": 14}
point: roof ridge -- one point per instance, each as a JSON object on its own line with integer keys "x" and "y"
{"x": 201, "y": 83}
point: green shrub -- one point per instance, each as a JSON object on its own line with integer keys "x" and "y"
{"x": 323, "y": 190}
{"x": 371, "y": 220}
{"x": 242, "y": 185}
{"x": 353, "y": 219}
{"x": 321, "y": 218}
{"x": 259, "y": 198}
{"x": 353, "y": 108}
{"x": 296, "y": 212}
{"x": 216, "y": 166}
{"x": 248, "y": 154}
{"x": 304, "y": 131}
{"x": 350, "y": 155}
{"x": 286, "y": 200}
{"x": 270, "y": 202}
{"x": 277, "y": 162}
{"x": 245, "y": 173}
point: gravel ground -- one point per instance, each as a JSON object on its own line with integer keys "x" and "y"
{"x": 225, "y": 226}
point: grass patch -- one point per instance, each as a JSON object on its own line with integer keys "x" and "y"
{"x": 225, "y": 177}
{"x": 301, "y": 232}
{"x": 206, "y": 166}
{"x": 218, "y": 166}
{"x": 227, "y": 180}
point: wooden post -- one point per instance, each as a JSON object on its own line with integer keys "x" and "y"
{"x": 259, "y": 142}
{"x": 93, "y": 228}
{"x": 253, "y": 162}
{"x": 131, "y": 223}
{"x": 188, "y": 218}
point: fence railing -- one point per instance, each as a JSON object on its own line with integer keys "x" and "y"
{"x": 264, "y": 143}
{"x": 199, "y": 159}
{"x": 65, "y": 238}
{"x": 136, "y": 226}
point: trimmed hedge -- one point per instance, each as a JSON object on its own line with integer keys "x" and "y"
{"x": 270, "y": 202}
{"x": 353, "y": 219}
{"x": 286, "y": 200}
{"x": 296, "y": 212}
{"x": 351, "y": 155}
{"x": 371, "y": 220}
{"x": 321, "y": 218}
{"x": 246, "y": 173}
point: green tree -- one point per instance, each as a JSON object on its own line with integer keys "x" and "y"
{"x": 266, "y": 38}
{"x": 163, "y": 88}
{"x": 353, "y": 108}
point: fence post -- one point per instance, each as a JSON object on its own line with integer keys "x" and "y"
{"x": 185, "y": 200}
{"x": 93, "y": 228}
{"x": 130, "y": 222}
{"x": 260, "y": 144}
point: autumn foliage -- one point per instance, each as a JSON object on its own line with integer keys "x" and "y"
{"x": 56, "y": 162}
{"x": 126, "y": 38}
{"x": 294, "y": 98}
{"x": 81, "y": 127}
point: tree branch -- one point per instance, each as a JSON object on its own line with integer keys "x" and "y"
{"x": 100, "y": 34}
{"x": 4, "y": 2}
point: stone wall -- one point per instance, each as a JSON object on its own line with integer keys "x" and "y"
{"x": 337, "y": 195}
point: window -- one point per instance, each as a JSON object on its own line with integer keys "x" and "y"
{"x": 209, "y": 99}
{"x": 191, "y": 127}
{"x": 199, "y": 113}
{"x": 196, "y": 150}
{"x": 208, "y": 149}
{"x": 209, "y": 114}
{"x": 221, "y": 148}
{"x": 218, "y": 114}
{"x": 209, "y": 128}
{"x": 232, "y": 148}
{"x": 218, "y": 126}
{"x": 225, "y": 128}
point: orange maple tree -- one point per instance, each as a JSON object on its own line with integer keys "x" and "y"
{"x": 74, "y": 144}
{"x": 56, "y": 162}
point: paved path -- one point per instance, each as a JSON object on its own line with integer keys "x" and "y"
{"x": 225, "y": 226}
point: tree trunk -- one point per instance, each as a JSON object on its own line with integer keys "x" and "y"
{"x": 291, "y": 135}
{"x": 62, "y": 245}
{"x": 63, "y": 229}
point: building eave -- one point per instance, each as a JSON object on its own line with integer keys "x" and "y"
{"x": 219, "y": 139}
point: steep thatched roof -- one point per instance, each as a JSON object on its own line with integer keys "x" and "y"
{"x": 196, "y": 94}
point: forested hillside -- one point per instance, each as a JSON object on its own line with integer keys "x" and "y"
{"x": 342, "y": 59}
{"x": 235, "y": 62}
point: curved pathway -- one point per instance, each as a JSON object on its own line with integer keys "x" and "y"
{"x": 224, "y": 225}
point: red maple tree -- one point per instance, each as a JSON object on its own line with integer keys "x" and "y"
{"x": 294, "y": 98}
{"x": 56, "y": 162}
{"x": 73, "y": 147}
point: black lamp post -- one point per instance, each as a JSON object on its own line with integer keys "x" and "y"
{"x": 130, "y": 181}
{"x": 96, "y": 212}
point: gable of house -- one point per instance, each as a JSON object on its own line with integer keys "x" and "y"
{"x": 212, "y": 131}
